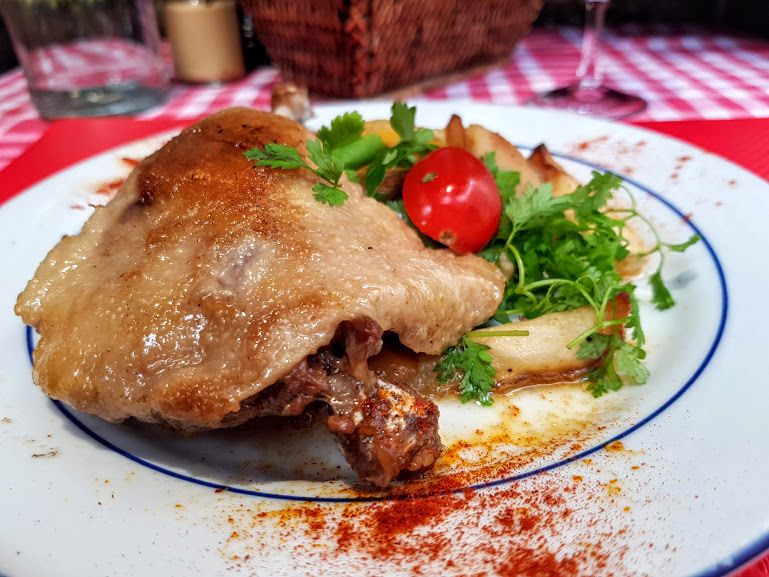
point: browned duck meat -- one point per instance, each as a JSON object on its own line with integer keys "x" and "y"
{"x": 383, "y": 428}
{"x": 210, "y": 291}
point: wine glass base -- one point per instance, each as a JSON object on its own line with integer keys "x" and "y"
{"x": 602, "y": 102}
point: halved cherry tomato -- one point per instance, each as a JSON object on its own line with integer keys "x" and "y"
{"x": 451, "y": 197}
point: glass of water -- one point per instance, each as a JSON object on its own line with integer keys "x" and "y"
{"x": 88, "y": 57}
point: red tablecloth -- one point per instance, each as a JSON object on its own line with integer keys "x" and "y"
{"x": 685, "y": 75}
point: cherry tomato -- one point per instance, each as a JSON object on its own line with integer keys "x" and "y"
{"x": 451, "y": 197}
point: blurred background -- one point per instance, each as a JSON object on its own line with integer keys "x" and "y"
{"x": 745, "y": 16}
{"x": 750, "y": 16}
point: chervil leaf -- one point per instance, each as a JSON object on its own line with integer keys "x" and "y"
{"x": 472, "y": 364}
{"x": 375, "y": 175}
{"x": 327, "y": 166}
{"x": 634, "y": 320}
{"x": 344, "y": 130}
{"x": 507, "y": 181}
{"x": 402, "y": 120}
{"x": 589, "y": 198}
{"x": 490, "y": 161}
{"x": 414, "y": 144}
{"x": 603, "y": 383}
{"x": 449, "y": 364}
{"x": 593, "y": 347}
{"x": 535, "y": 205}
{"x": 684, "y": 245}
{"x": 390, "y": 156}
{"x": 628, "y": 364}
{"x": 330, "y": 195}
{"x": 352, "y": 175}
{"x": 276, "y": 156}
{"x": 661, "y": 296}
{"x": 422, "y": 138}
{"x": 622, "y": 363}
{"x": 491, "y": 252}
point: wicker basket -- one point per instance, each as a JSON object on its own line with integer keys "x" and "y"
{"x": 354, "y": 48}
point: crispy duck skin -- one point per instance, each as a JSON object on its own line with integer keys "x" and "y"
{"x": 207, "y": 280}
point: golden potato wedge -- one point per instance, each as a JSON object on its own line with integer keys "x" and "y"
{"x": 455, "y": 133}
{"x": 543, "y": 357}
{"x": 481, "y": 141}
{"x": 548, "y": 170}
{"x": 383, "y": 129}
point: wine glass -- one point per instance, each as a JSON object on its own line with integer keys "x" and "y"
{"x": 589, "y": 95}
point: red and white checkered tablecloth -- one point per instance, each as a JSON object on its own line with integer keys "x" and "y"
{"x": 683, "y": 73}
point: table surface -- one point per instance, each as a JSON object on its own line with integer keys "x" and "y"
{"x": 683, "y": 73}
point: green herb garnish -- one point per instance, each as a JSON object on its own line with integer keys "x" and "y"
{"x": 473, "y": 361}
{"x": 341, "y": 149}
{"x": 414, "y": 144}
{"x": 564, "y": 251}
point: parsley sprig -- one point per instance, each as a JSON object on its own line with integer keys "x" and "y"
{"x": 414, "y": 143}
{"x": 329, "y": 155}
{"x": 474, "y": 362}
{"x": 341, "y": 149}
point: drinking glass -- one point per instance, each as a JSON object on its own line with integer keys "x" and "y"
{"x": 88, "y": 57}
{"x": 589, "y": 95}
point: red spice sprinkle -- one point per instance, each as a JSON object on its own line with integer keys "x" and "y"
{"x": 109, "y": 188}
{"x": 130, "y": 162}
{"x": 583, "y": 146}
{"x": 434, "y": 525}
{"x": 518, "y": 530}
{"x": 615, "y": 446}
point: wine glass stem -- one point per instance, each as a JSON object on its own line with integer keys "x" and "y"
{"x": 589, "y": 75}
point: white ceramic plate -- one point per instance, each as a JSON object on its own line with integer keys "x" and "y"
{"x": 528, "y": 487}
